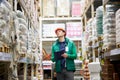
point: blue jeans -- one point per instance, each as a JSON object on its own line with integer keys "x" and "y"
{"x": 65, "y": 75}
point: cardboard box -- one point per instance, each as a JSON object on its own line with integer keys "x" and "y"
{"x": 76, "y": 9}
{"x": 48, "y": 8}
{"x": 63, "y": 8}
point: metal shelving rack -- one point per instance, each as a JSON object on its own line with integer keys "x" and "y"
{"x": 111, "y": 56}
{"x": 34, "y": 66}
{"x": 89, "y": 13}
{"x": 9, "y": 58}
{"x": 56, "y": 19}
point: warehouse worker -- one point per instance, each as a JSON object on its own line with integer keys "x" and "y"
{"x": 63, "y": 54}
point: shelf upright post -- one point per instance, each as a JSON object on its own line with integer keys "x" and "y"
{"x": 41, "y": 44}
{"x": 82, "y": 37}
{"x": 85, "y": 20}
{"x": 25, "y": 71}
{"x": 41, "y": 12}
{"x": 13, "y": 64}
{"x": 36, "y": 70}
{"x": 32, "y": 71}
{"x": 104, "y": 9}
{"x": 92, "y": 14}
{"x": 15, "y": 5}
{"x": 11, "y": 2}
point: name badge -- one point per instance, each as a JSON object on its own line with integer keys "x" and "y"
{"x": 66, "y": 48}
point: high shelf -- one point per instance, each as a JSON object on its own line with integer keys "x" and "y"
{"x": 53, "y": 17}
{"x": 16, "y": 63}
{"x": 97, "y": 45}
{"x": 88, "y": 19}
{"x": 89, "y": 40}
{"x": 111, "y": 55}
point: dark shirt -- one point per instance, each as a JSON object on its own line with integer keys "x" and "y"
{"x": 63, "y": 60}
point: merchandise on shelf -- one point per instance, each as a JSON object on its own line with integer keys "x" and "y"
{"x": 33, "y": 45}
{"x": 30, "y": 40}
{"x": 112, "y": 7}
{"x": 74, "y": 29}
{"x": 117, "y": 26}
{"x": 82, "y": 2}
{"x": 27, "y": 41}
{"x": 76, "y": 9}
{"x": 86, "y": 70}
{"x": 99, "y": 20}
{"x": 5, "y": 26}
{"x": 94, "y": 27}
{"x": 107, "y": 70}
{"x": 89, "y": 31}
{"x": 109, "y": 30}
{"x": 5, "y": 16}
{"x": 63, "y": 7}
{"x": 109, "y": 27}
{"x": 48, "y": 8}
{"x": 94, "y": 69}
{"x": 79, "y": 72}
{"x": 49, "y": 29}
{"x": 21, "y": 29}
{"x": 31, "y": 8}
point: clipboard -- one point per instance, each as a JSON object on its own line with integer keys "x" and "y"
{"x": 58, "y": 54}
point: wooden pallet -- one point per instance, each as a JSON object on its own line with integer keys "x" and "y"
{"x": 90, "y": 43}
{"x": 76, "y": 16}
{"x": 63, "y": 16}
{"x": 49, "y": 37}
{"x": 31, "y": 56}
{"x": 4, "y": 49}
{"x": 100, "y": 38}
{"x": 1, "y": 49}
{"x": 22, "y": 54}
{"x": 7, "y": 49}
{"x": 107, "y": 48}
{"x": 49, "y": 16}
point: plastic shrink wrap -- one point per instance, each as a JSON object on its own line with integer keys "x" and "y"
{"x": 5, "y": 10}
{"x": 117, "y": 26}
{"x": 109, "y": 27}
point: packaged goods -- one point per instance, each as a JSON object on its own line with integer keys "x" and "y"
{"x": 99, "y": 20}
{"x": 5, "y": 10}
{"x": 112, "y": 7}
{"x": 117, "y": 18}
{"x": 21, "y": 31}
{"x": 20, "y": 14}
{"x": 76, "y": 8}
{"x": 74, "y": 29}
{"x": 2, "y": 23}
{"x": 48, "y": 8}
{"x": 63, "y": 7}
{"x": 22, "y": 21}
{"x": 109, "y": 30}
{"x": 22, "y": 27}
{"x": 49, "y": 29}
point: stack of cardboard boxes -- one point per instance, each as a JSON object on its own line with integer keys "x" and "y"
{"x": 107, "y": 70}
{"x": 86, "y": 71}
